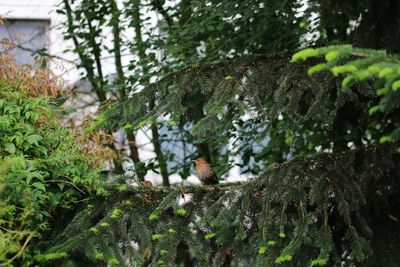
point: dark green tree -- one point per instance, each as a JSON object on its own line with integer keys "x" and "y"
{"x": 219, "y": 75}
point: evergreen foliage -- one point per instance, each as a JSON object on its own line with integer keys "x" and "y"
{"x": 195, "y": 34}
{"x": 294, "y": 112}
{"x": 356, "y": 65}
{"x": 333, "y": 208}
{"x": 306, "y": 211}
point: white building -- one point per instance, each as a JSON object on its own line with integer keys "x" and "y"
{"x": 34, "y": 25}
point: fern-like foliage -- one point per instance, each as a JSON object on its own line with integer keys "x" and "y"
{"x": 253, "y": 99}
{"x": 307, "y": 211}
{"x": 357, "y": 65}
{"x": 210, "y": 94}
{"x": 304, "y": 207}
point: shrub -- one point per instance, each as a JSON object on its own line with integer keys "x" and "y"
{"x": 43, "y": 170}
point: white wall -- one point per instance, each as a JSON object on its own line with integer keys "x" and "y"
{"x": 44, "y": 9}
{"x": 28, "y": 35}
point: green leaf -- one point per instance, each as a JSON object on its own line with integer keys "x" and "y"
{"x": 372, "y": 70}
{"x": 283, "y": 258}
{"x": 228, "y": 78}
{"x": 382, "y": 91}
{"x": 319, "y": 262}
{"x": 374, "y": 109}
{"x": 157, "y": 236}
{"x": 385, "y": 139}
{"x": 262, "y": 250}
{"x": 99, "y": 256}
{"x": 304, "y": 54}
{"x": 172, "y": 123}
{"x": 385, "y": 72}
{"x": 123, "y": 188}
{"x": 127, "y": 126}
{"x": 116, "y": 213}
{"x": 344, "y": 69}
{"x": 54, "y": 199}
{"x": 361, "y": 75}
{"x": 155, "y": 215}
{"x": 94, "y": 230}
{"x": 127, "y": 202}
{"x": 332, "y": 55}
{"x": 348, "y": 81}
{"x": 317, "y": 68}
{"x": 34, "y": 139}
{"x": 39, "y": 186}
{"x": 164, "y": 251}
{"x": 42, "y": 149}
{"x": 61, "y": 186}
{"x": 209, "y": 236}
{"x": 113, "y": 261}
{"x": 289, "y": 139}
{"x": 181, "y": 212}
{"x": 396, "y": 85}
{"x": 9, "y": 147}
{"x": 50, "y": 256}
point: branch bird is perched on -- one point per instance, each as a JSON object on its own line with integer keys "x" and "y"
{"x": 205, "y": 172}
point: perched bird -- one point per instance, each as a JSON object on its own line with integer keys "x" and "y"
{"x": 147, "y": 184}
{"x": 205, "y": 172}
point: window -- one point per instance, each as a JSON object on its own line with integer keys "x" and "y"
{"x": 21, "y": 38}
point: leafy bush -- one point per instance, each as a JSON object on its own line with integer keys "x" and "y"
{"x": 42, "y": 169}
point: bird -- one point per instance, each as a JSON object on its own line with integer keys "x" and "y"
{"x": 147, "y": 184}
{"x": 205, "y": 172}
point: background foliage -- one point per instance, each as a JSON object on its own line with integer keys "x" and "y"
{"x": 191, "y": 35}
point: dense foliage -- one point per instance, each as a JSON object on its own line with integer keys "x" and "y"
{"x": 297, "y": 115}
{"x": 307, "y": 211}
{"x": 358, "y": 65}
{"x": 43, "y": 171}
{"x": 218, "y": 79}
{"x": 153, "y": 39}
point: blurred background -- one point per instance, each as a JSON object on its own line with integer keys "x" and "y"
{"x": 33, "y": 29}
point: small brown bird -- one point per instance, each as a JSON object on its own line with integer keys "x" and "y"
{"x": 147, "y": 184}
{"x": 205, "y": 172}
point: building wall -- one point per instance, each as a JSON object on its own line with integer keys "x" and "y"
{"x": 38, "y": 17}
{"x": 24, "y": 36}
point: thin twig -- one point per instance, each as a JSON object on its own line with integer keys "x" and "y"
{"x": 28, "y": 239}
{"x": 66, "y": 182}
